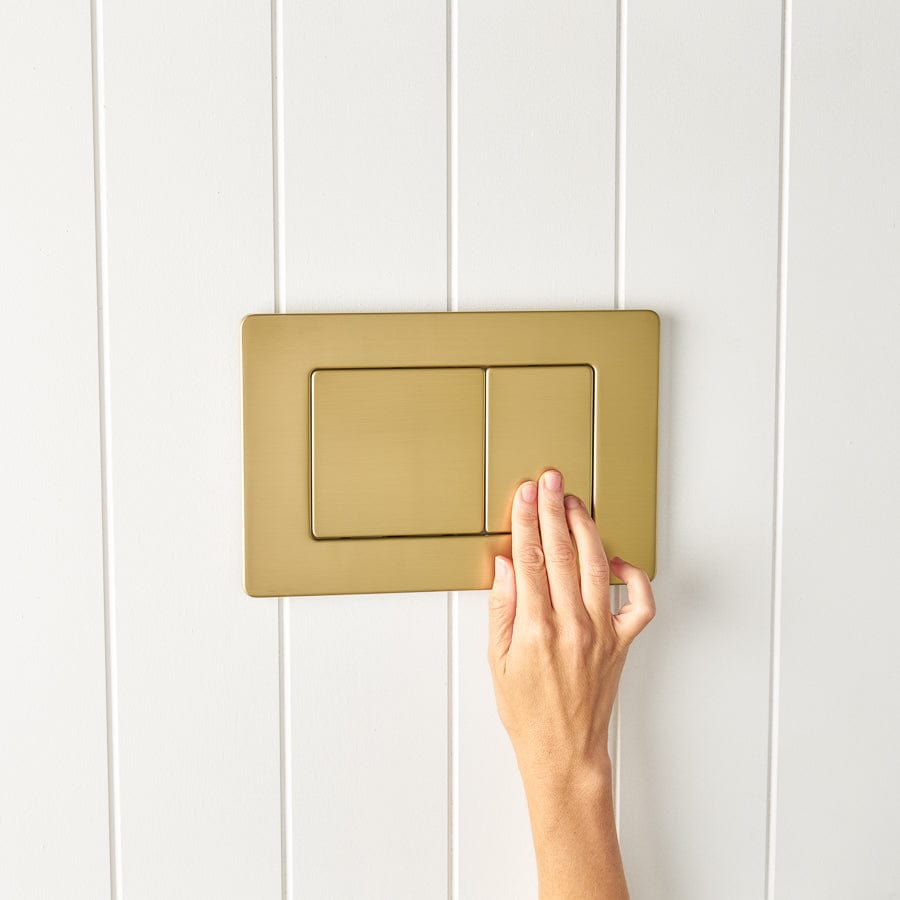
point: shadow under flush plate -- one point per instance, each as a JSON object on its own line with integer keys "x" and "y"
{"x": 382, "y": 450}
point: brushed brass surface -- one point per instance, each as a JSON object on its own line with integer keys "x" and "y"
{"x": 397, "y": 452}
{"x": 538, "y": 417}
{"x": 282, "y": 557}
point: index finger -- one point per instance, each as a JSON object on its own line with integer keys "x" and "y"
{"x": 532, "y": 590}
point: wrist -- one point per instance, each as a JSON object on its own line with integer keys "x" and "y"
{"x": 550, "y": 788}
{"x": 574, "y": 832}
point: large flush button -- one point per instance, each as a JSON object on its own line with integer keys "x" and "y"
{"x": 397, "y": 452}
{"x": 538, "y": 417}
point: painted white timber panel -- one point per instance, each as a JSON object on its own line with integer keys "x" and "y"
{"x": 536, "y": 173}
{"x": 369, "y": 746}
{"x": 365, "y": 156}
{"x": 536, "y": 188}
{"x": 838, "y": 813}
{"x": 701, "y": 217}
{"x": 188, "y": 112}
{"x": 365, "y": 211}
{"x": 54, "y": 835}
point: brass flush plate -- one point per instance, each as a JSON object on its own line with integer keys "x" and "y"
{"x": 381, "y": 450}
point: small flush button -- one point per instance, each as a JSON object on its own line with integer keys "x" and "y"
{"x": 538, "y": 417}
{"x": 397, "y": 452}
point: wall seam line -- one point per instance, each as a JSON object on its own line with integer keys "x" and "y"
{"x": 452, "y": 158}
{"x": 778, "y": 491}
{"x": 621, "y": 73}
{"x": 619, "y": 303}
{"x": 452, "y": 744}
{"x": 451, "y": 26}
{"x": 280, "y": 306}
{"x": 98, "y": 99}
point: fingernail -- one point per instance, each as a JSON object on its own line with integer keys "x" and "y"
{"x": 552, "y": 480}
{"x": 529, "y": 492}
{"x": 501, "y": 568}
{"x": 572, "y": 502}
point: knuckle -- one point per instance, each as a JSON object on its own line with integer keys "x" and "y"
{"x": 561, "y": 554}
{"x": 597, "y": 569}
{"x": 578, "y": 636}
{"x": 530, "y": 558}
{"x": 540, "y": 633}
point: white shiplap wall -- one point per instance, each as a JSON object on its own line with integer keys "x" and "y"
{"x": 837, "y": 822}
{"x": 187, "y": 188}
{"x": 701, "y": 246}
{"x": 167, "y": 168}
{"x": 54, "y": 815}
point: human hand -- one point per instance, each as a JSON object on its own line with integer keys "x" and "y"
{"x": 556, "y": 652}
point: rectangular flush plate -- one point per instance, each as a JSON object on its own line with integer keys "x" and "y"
{"x": 381, "y": 450}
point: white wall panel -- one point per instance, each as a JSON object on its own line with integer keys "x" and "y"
{"x": 536, "y": 137}
{"x": 54, "y": 837}
{"x": 701, "y": 213}
{"x": 365, "y": 189}
{"x": 838, "y": 815}
{"x": 188, "y": 112}
{"x": 369, "y": 760}
{"x": 536, "y": 228}
{"x": 365, "y": 156}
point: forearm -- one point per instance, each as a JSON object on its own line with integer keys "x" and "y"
{"x": 575, "y": 839}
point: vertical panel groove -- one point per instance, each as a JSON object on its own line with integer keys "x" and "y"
{"x": 621, "y": 74}
{"x": 619, "y": 303}
{"x": 452, "y": 158}
{"x": 284, "y": 708}
{"x": 452, "y": 596}
{"x": 778, "y": 500}
{"x": 103, "y": 385}
{"x": 284, "y": 649}
{"x": 278, "y": 154}
{"x": 452, "y": 744}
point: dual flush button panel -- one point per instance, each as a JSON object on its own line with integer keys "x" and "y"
{"x": 382, "y": 451}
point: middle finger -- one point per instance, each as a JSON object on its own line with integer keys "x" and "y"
{"x": 559, "y": 551}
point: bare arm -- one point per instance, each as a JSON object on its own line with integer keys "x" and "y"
{"x": 556, "y": 653}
